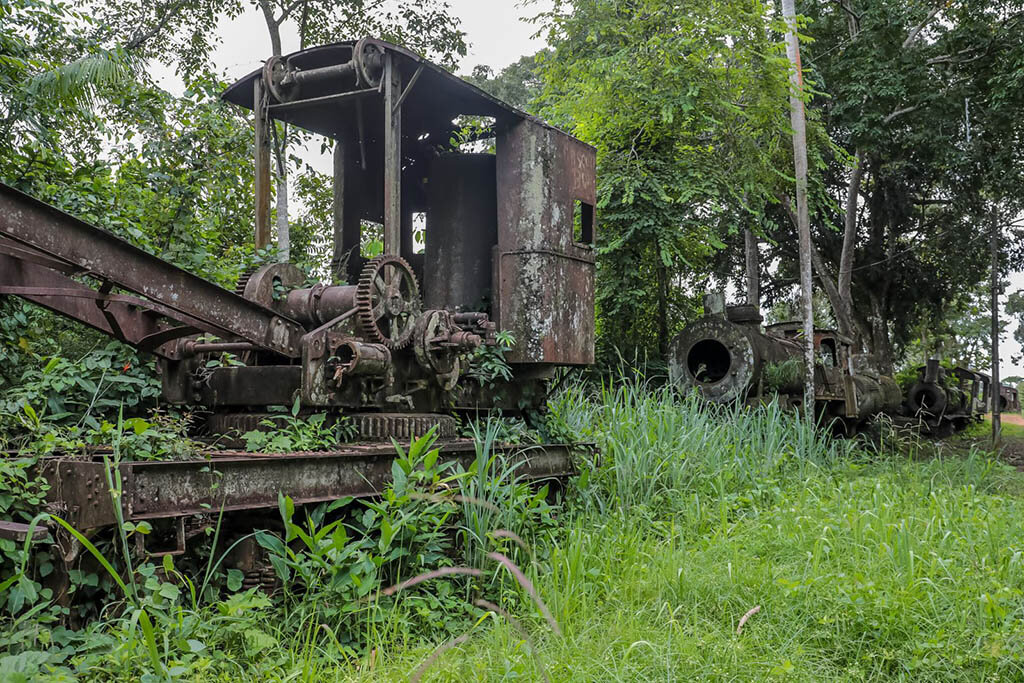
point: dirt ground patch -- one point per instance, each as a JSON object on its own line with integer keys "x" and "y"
{"x": 1011, "y": 419}
{"x": 1011, "y": 450}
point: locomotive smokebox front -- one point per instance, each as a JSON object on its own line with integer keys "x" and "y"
{"x": 723, "y": 356}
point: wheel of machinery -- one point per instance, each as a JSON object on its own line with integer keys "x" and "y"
{"x": 433, "y": 330}
{"x": 277, "y": 78}
{"x": 388, "y": 301}
{"x": 268, "y": 283}
{"x": 368, "y": 56}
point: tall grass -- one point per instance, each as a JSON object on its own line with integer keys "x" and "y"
{"x": 656, "y": 448}
{"x": 868, "y": 563}
{"x": 883, "y": 560}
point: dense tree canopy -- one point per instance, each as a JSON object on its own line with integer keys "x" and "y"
{"x": 922, "y": 98}
{"x": 685, "y": 109}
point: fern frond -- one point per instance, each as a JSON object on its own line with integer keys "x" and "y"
{"x": 78, "y": 82}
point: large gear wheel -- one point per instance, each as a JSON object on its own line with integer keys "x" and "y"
{"x": 388, "y": 301}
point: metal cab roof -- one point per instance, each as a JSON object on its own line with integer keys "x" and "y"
{"x": 435, "y": 98}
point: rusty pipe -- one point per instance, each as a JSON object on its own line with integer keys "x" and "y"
{"x": 316, "y": 305}
{"x": 358, "y": 359}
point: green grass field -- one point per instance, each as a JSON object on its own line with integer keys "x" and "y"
{"x": 899, "y": 561}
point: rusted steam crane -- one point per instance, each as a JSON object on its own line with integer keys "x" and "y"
{"x": 508, "y": 248}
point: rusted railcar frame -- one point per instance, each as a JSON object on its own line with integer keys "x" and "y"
{"x": 233, "y": 481}
{"x": 99, "y": 254}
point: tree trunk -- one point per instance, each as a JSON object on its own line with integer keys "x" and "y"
{"x": 881, "y": 345}
{"x": 799, "y": 125}
{"x": 284, "y": 237}
{"x": 281, "y": 149}
{"x": 753, "y": 268}
{"x": 662, "y": 309}
{"x": 996, "y": 393}
{"x": 844, "y": 316}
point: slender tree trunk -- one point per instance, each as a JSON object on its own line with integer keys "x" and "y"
{"x": 803, "y": 227}
{"x": 280, "y": 149}
{"x": 662, "y": 310}
{"x": 845, "y": 315}
{"x": 753, "y": 268}
{"x": 880, "y": 342}
{"x": 996, "y": 393}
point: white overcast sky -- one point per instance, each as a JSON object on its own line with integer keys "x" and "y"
{"x": 495, "y": 31}
{"x": 497, "y": 35}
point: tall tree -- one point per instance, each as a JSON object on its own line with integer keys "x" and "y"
{"x": 919, "y": 100}
{"x": 683, "y": 107}
{"x": 798, "y": 121}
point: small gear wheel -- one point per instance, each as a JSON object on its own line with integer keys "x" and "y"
{"x": 388, "y": 301}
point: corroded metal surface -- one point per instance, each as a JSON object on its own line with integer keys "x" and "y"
{"x": 725, "y": 361}
{"x": 726, "y": 358}
{"x": 463, "y": 194}
{"x": 1009, "y": 399}
{"x": 544, "y": 270}
{"x": 233, "y": 481}
{"x": 28, "y": 221}
{"x": 367, "y": 426}
{"x": 943, "y": 400}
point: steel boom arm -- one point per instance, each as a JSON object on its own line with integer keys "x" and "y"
{"x": 48, "y": 233}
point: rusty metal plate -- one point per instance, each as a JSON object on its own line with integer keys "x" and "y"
{"x": 545, "y": 276}
{"x": 234, "y": 481}
{"x": 552, "y": 323}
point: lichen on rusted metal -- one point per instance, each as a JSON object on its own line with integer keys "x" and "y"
{"x": 726, "y": 358}
{"x": 545, "y": 276}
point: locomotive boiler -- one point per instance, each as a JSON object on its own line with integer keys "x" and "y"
{"x": 946, "y": 400}
{"x": 727, "y": 357}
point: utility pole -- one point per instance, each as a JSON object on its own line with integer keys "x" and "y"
{"x": 803, "y": 223}
{"x": 997, "y": 426}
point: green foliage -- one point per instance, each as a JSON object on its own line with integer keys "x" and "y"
{"x": 684, "y": 108}
{"x": 657, "y": 449}
{"x": 334, "y": 571}
{"x": 925, "y": 96}
{"x": 285, "y": 433}
{"x": 496, "y": 500}
{"x": 518, "y": 84}
{"x": 487, "y": 364}
{"x": 915, "y": 559}
{"x": 778, "y": 377}
{"x": 97, "y": 384}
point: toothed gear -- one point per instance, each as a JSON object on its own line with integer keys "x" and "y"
{"x": 388, "y": 301}
{"x": 243, "y": 280}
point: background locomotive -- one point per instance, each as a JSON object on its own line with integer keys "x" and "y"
{"x": 727, "y": 357}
